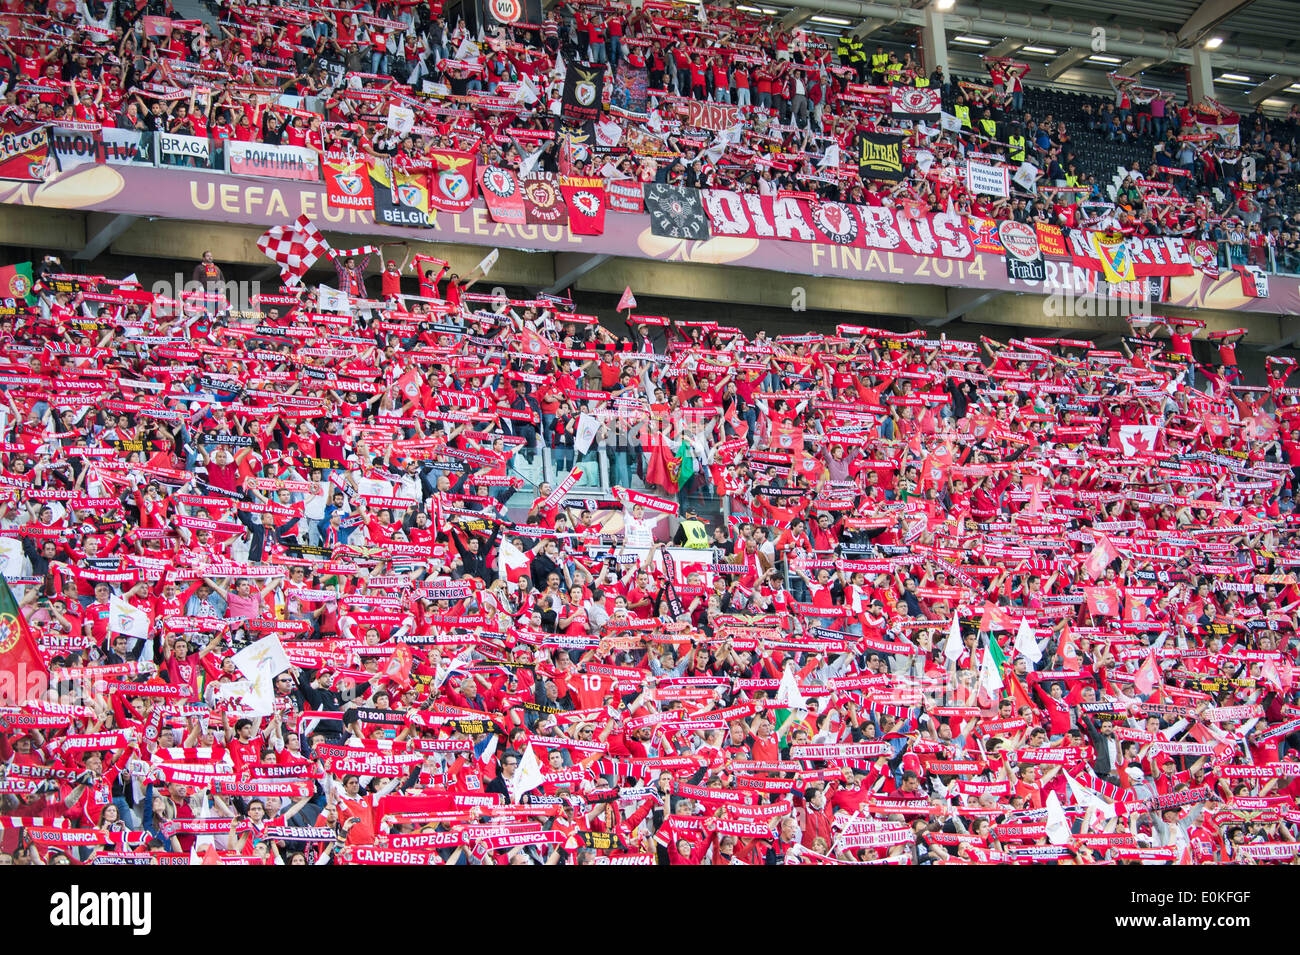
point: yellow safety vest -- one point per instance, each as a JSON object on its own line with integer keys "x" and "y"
{"x": 1017, "y": 144}
{"x": 895, "y": 72}
{"x": 1071, "y": 179}
{"x": 859, "y": 51}
{"x": 963, "y": 113}
{"x": 990, "y": 127}
{"x": 697, "y": 536}
{"x": 879, "y": 61}
{"x": 922, "y": 81}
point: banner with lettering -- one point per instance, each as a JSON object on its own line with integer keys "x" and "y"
{"x": 274, "y": 162}
{"x": 24, "y": 151}
{"x": 864, "y": 227}
{"x": 880, "y": 156}
{"x": 348, "y": 185}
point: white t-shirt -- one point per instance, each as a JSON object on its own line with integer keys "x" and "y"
{"x": 636, "y": 533}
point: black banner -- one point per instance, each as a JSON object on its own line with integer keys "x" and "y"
{"x": 1026, "y": 270}
{"x": 675, "y": 608}
{"x": 583, "y": 86}
{"x": 400, "y": 205}
{"x": 576, "y": 136}
{"x": 1023, "y": 253}
{"x": 229, "y": 440}
{"x": 880, "y": 156}
{"x": 676, "y": 212}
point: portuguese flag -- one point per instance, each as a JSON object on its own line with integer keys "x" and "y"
{"x": 16, "y": 282}
{"x": 20, "y": 657}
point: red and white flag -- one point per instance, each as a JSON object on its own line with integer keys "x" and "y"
{"x": 628, "y": 301}
{"x": 1254, "y": 281}
{"x": 1102, "y": 601}
{"x": 1148, "y": 675}
{"x": 994, "y": 618}
{"x": 1217, "y": 426}
{"x": 512, "y": 563}
{"x": 1278, "y": 675}
{"x": 1102, "y": 553}
{"x": 937, "y": 466}
{"x": 409, "y": 384}
{"x": 1138, "y": 438}
{"x": 1067, "y": 649}
{"x": 295, "y": 248}
{"x": 531, "y": 343}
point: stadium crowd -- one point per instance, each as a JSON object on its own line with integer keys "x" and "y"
{"x": 277, "y": 592}
{"x": 325, "y": 77}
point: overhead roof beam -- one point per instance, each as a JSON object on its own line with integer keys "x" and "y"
{"x": 1006, "y": 47}
{"x": 1207, "y": 16}
{"x": 1136, "y": 65}
{"x": 108, "y": 233}
{"x": 794, "y": 18}
{"x": 959, "y": 302}
{"x": 868, "y": 27}
{"x": 1274, "y": 84}
{"x": 1063, "y": 62}
{"x": 571, "y": 266}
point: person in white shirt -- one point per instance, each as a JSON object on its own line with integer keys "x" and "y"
{"x": 637, "y": 531}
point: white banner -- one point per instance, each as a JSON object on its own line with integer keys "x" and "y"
{"x": 127, "y": 619}
{"x": 187, "y": 147}
{"x": 12, "y": 558}
{"x": 74, "y": 146}
{"x": 125, "y": 147}
{"x": 588, "y": 425}
{"x": 1229, "y": 134}
{"x": 400, "y": 118}
{"x": 275, "y": 162}
{"x": 1026, "y": 177}
{"x": 989, "y": 178}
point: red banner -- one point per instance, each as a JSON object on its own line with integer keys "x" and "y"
{"x": 24, "y": 152}
{"x": 984, "y": 233}
{"x": 585, "y": 197}
{"x": 1151, "y": 255}
{"x": 625, "y": 195}
{"x": 863, "y": 227}
{"x": 917, "y": 103}
{"x": 704, "y": 115}
{"x": 1051, "y": 239}
{"x": 543, "y": 204}
{"x": 347, "y": 185}
{"x": 501, "y": 192}
{"x": 452, "y": 181}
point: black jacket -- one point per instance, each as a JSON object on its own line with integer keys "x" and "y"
{"x": 480, "y": 565}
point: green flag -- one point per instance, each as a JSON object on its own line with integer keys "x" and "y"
{"x": 687, "y": 457}
{"x": 992, "y": 668}
{"x": 16, "y": 285}
{"x": 20, "y": 657}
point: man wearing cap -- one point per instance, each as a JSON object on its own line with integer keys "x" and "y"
{"x": 391, "y": 277}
